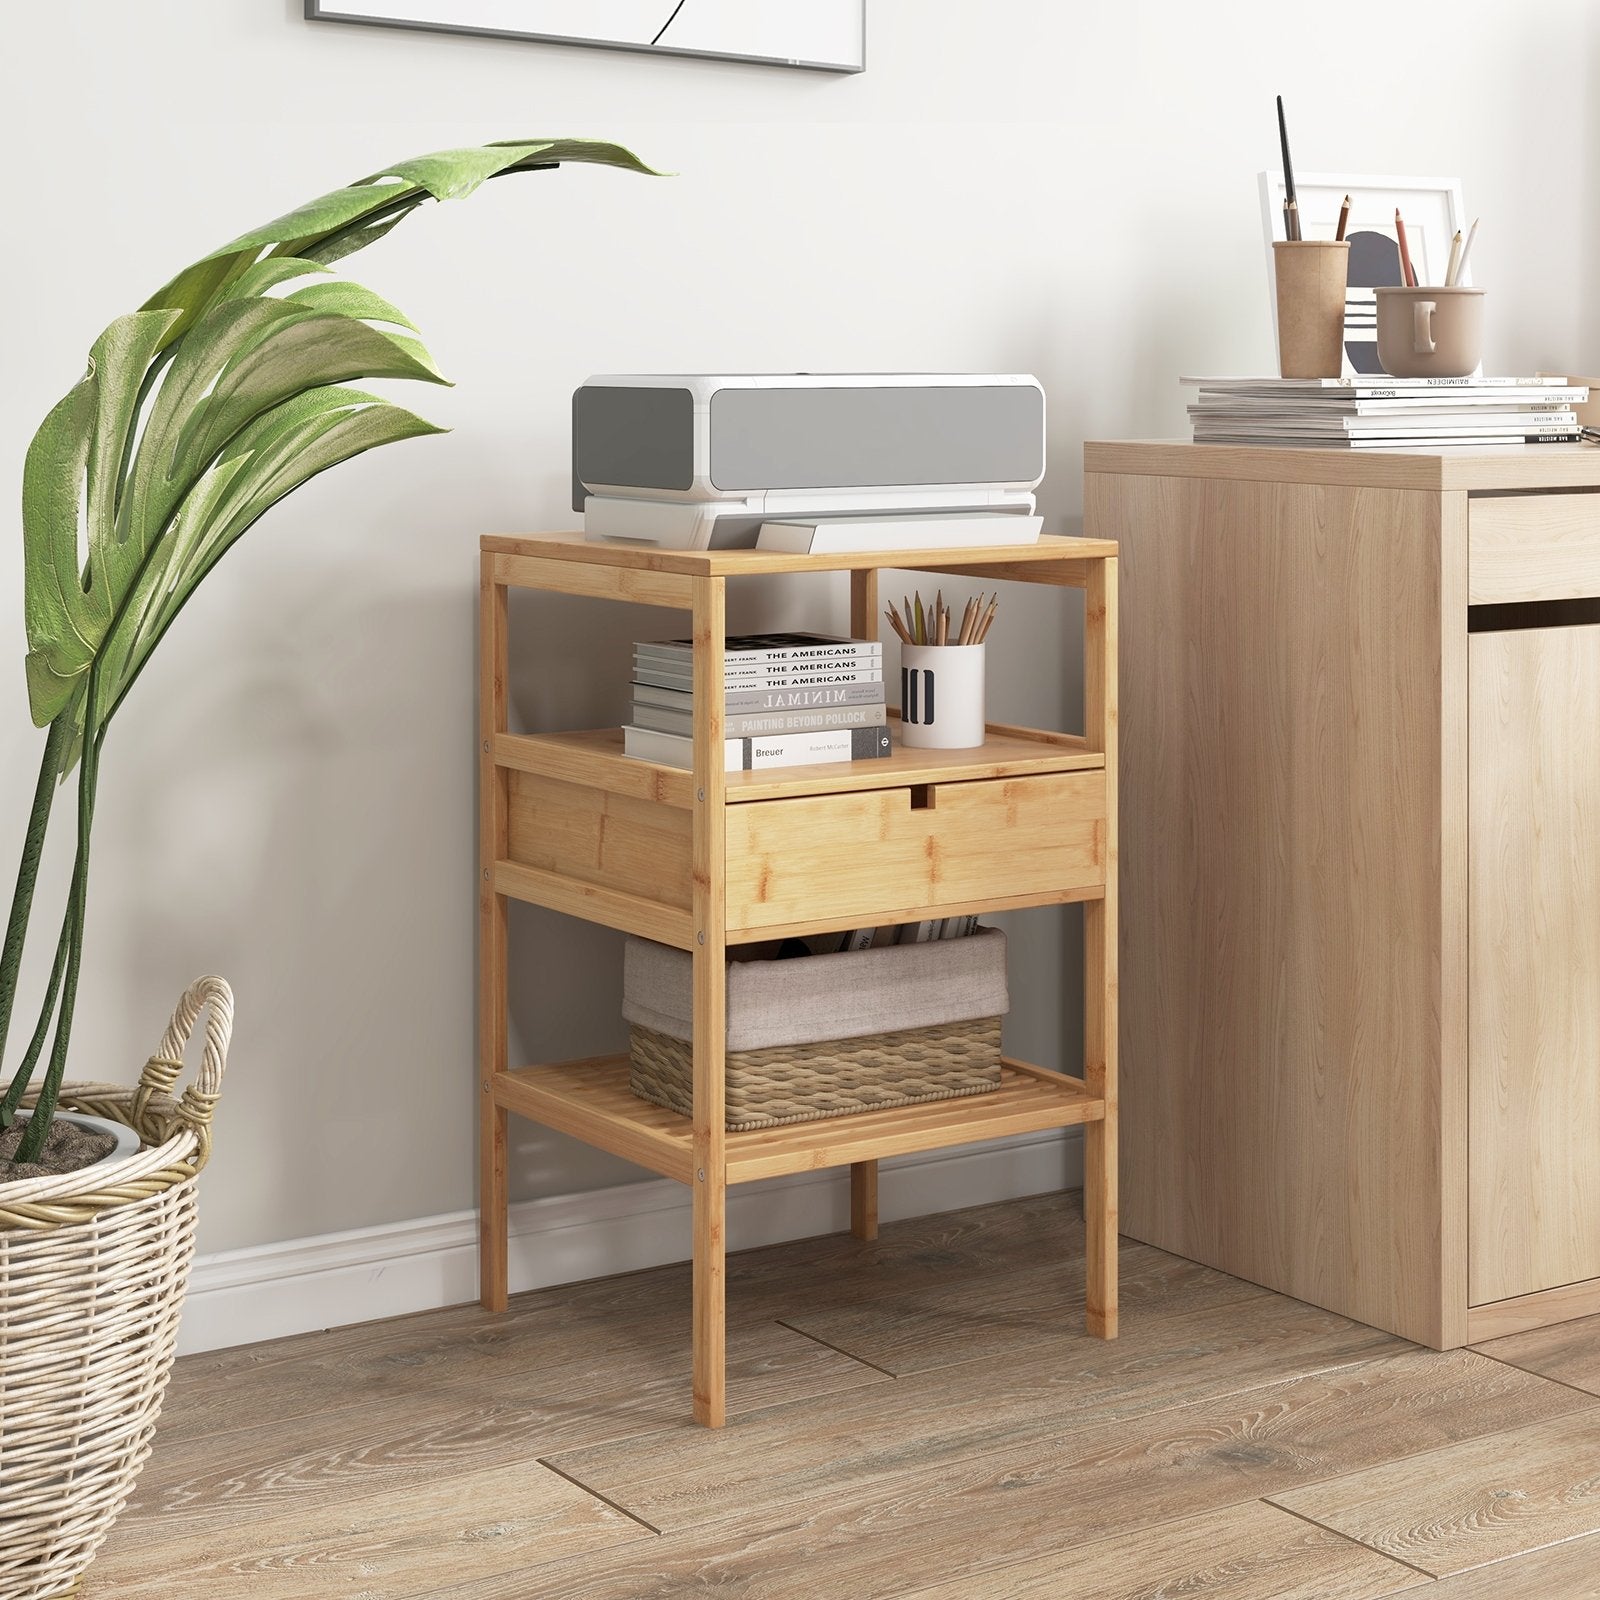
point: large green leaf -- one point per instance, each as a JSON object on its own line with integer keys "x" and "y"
{"x": 204, "y": 408}
{"x": 281, "y": 450}
{"x": 241, "y": 360}
{"x": 344, "y": 220}
{"x": 75, "y": 565}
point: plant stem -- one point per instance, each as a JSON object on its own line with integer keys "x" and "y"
{"x": 24, "y": 1073}
{"x": 55, "y": 747}
{"x": 88, "y": 775}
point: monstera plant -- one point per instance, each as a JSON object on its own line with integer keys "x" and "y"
{"x": 224, "y": 392}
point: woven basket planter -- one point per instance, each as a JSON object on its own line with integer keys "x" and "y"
{"x": 825, "y": 1036}
{"x": 93, "y": 1269}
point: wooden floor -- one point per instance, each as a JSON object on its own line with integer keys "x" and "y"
{"x": 922, "y": 1416}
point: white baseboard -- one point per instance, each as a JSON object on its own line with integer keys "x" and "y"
{"x": 269, "y": 1291}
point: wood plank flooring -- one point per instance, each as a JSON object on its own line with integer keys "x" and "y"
{"x": 919, "y": 1416}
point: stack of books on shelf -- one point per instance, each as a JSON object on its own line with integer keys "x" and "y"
{"x": 789, "y": 699}
{"x": 1377, "y": 412}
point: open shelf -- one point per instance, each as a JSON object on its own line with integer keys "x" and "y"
{"x": 594, "y": 757}
{"x": 591, "y": 1100}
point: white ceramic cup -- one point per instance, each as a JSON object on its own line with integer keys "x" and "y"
{"x": 941, "y": 696}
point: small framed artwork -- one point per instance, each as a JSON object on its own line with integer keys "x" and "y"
{"x": 1433, "y": 213}
{"x": 826, "y": 35}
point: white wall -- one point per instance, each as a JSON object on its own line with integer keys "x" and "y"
{"x": 1066, "y": 189}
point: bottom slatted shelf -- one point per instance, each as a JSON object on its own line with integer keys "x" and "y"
{"x": 591, "y": 1101}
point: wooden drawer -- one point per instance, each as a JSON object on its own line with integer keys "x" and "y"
{"x": 887, "y": 855}
{"x": 614, "y": 841}
{"x": 1533, "y": 547}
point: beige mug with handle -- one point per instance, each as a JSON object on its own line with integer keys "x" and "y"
{"x": 1432, "y": 331}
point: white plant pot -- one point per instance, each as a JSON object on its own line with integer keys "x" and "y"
{"x": 127, "y": 1141}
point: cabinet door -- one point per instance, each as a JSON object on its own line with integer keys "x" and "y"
{"x": 1534, "y": 1015}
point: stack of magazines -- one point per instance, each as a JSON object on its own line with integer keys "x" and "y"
{"x": 789, "y": 699}
{"x": 1377, "y": 412}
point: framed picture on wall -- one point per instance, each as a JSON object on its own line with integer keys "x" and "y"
{"x": 827, "y": 35}
{"x": 1432, "y": 210}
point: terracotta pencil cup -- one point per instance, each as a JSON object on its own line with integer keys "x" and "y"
{"x": 1430, "y": 332}
{"x": 1311, "y": 276}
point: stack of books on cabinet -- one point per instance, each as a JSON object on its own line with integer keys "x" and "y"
{"x": 1373, "y": 411}
{"x": 791, "y": 699}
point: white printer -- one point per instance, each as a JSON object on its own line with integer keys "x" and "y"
{"x": 700, "y": 461}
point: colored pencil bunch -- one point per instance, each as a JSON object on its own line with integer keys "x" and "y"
{"x": 931, "y": 624}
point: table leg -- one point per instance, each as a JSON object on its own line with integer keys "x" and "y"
{"x": 493, "y": 1201}
{"x": 494, "y": 808}
{"x": 710, "y": 1011}
{"x": 1100, "y": 976}
{"x": 864, "y": 1199}
{"x": 710, "y": 1300}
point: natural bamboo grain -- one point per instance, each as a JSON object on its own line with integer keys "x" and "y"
{"x": 1100, "y": 953}
{"x": 1030, "y": 563}
{"x": 709, "y": 1176}
{"x": 790, "y": 860}
{"x": 493, "y": 810}
{"x": 1019, "y": 822}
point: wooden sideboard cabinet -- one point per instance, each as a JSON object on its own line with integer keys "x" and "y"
{"x": 1360, "y": 853}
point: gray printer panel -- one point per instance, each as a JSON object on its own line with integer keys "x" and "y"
{"x": 850, "y": 438}
{"x": 635, "y": 438}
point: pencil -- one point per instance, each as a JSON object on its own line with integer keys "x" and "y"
{"x": 895, "y": 623}
{"x": 988, "y": 620}
{"x": 1344, "y": 218}
{"x": 1466, "y": 250}
{"x": 944, "y": 626}
{"x": 965, "y": 636}
{"x": 1292, "y": 214}
{"x": 1408, "y": 273}
{"x": 1455, "y": 260}
{"x": 922, "y": 620}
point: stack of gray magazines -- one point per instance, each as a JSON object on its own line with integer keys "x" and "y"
{"x": 789, "y": 699}
{"x": 1372, "y": 411}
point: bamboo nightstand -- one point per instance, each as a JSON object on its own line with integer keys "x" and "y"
{"x": 705, "y": 858}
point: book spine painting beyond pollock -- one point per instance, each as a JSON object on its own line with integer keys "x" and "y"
{"x": 748, "y": 724}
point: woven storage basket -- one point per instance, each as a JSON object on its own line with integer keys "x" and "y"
{"x": 825, "y": 1036}
{"x": 93, "y": 1268}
